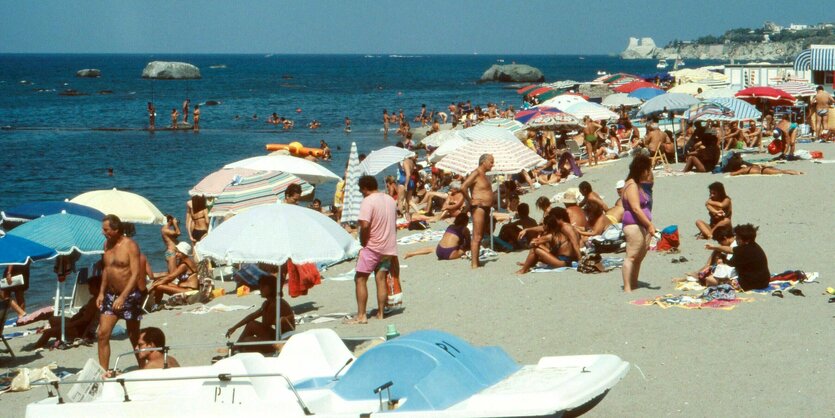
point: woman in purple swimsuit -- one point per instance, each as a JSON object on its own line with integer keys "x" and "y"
{"x": 637, "y": 219}
{"x": 454, "y": 243}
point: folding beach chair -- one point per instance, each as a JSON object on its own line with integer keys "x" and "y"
{"x": 660, "y": 156}
{"x": 4, "y": 309}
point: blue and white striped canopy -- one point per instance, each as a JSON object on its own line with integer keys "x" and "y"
{"x": 671, "y": 102}
{"x": 64, "y": 233}
{"x": 733, "y": 110}
{"x": 823, "y": 58}
{"x": 803, "y": 61}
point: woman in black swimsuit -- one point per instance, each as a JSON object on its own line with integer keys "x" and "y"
{"x": 551, "y": 248}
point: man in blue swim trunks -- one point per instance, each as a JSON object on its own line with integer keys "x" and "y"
{"x": 120, "y": 297}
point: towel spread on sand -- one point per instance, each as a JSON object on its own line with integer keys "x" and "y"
{"x": 690, "y": 302}
{"x": 609, "y": 263}
{"x": 425, "y": 236}
{"x": 319, "y": 319}
{"x": 204, "y": 309}
{"x": 673, "y": 174}
{"x": 348, "y": 275}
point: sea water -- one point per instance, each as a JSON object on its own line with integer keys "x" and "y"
{"x": 56, "y": 147}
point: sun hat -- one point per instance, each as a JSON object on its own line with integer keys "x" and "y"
{"x": 620, "y": 184}
{"x": 184, "y": 247}
{"x": 570, "y": 196}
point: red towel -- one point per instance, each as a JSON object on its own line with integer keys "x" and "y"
{"x": 301, "y": 277}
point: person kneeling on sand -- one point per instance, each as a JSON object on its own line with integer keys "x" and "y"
{"x": 152, "y": 344}
{"x": 749, "y": 259}
{"x": 453, "y": 244}
{"x": 264, "y": 330}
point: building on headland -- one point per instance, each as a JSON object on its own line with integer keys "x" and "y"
{"x": 818, "y": 63}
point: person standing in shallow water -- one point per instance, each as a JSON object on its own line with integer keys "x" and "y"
{"x": 152, "y": 116}
{"x": 174, "y": 117}
{"x": 185, "y": 110}
{"x": 196, "y": 126}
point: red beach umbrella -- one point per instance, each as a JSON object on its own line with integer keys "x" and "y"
{"x": 526, "y": 89}
{"x": 635, "y": 85}
{"x": 540, "y": 90}
{"x": 771, "y": 95}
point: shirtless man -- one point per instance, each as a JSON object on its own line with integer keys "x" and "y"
{"x": 732, "y": 135}
{"x": 120, "y": 297}
{"x": 170, "y": 231}
{"x": 386, "y": 121}
{"x": 196, "y": 126}
{"x": 822, "y": 101}
{"x": 185, "y": 110}
{"x": 654, "y": 138}
{"x": 174, "y": 117}
{"x": 152, "y": 116}
{"x": 590, "y": 138}
{"x": 753, "y": 135}
{"x": 197, "y": 218}
{"x": 150, "y": 338}
{"x": 479, "y": 194}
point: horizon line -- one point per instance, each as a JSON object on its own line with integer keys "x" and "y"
{"x": 311, "y": 53}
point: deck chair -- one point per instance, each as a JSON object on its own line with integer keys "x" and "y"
{"x": 63, "y": 303}
{"x": 4, "y": 309}
{"x": 80, "y": 294}
{"x": 574, "y": 149}
{"x": 660, "y": 156}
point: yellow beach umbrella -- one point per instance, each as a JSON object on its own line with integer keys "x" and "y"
{"x": 129, "y": 207}
{"x": 690, "y": 88}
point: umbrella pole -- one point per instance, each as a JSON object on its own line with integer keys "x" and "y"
{"x": 61, "y": 308}
{"x": 675, "y": 143}
{"x": 278, "y": 305}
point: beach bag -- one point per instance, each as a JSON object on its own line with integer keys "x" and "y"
{"x": 776, "y": 147}
{"x": 816, "y": 155}
{"x": 394, "y": 291}
{"x": 590, "y": 264}
{"x": 669, "y": 239}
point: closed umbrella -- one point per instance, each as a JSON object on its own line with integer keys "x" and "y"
{"x": 306, "y": 170}
{"x": 510, "y": 157}
{"x": 592, "y": 110}
{"x": 29, "y": 211}
{"x": 19, "y": 251}
{"x": 646, "y": 93}
{"x": 275, "y": 233}
{"x": 213, "y": 184}
{"x": 671, "y": 102}
{"x": 351, "y": 193}
{"x": 620, "y": 99}
{"x": 383, "y": 158}
{"x": 439, "y": 138}
{"x": 260, "y": 189}
{"x": 129, "y": 207}
{"x": 64, "y": 233}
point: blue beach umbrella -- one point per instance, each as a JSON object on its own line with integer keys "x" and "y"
{"x": 671, "y": 102}
{"x": 17, "y": 250}
{"x": 28, "y": 211}
{"x": 646, "y": 93}
{"x": 731, "y": 110}
{"x": 64, "y": 233}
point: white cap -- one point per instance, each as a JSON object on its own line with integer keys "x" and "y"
{"x": 184, "y": 247}
{"x": 620, "y": 184}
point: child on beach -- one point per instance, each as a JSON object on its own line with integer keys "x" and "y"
{"x": 749, "y": 259}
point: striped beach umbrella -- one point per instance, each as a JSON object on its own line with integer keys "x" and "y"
{"x": 646, "y": 93}
{"x": 722, "y": 92}
{"x": 306, "y": 170}
{"x": 544, "y": 116}
{"x": 527, "y": 89}
{"x": 439, "y": 138}
{"x": 723, "y": 109}
{"x": 129, "y": 207}
{"x": 671, "y": 102}
{"x": 510, "y": 157}
{"x": 511, "y": 125}
{"x": 213, "y": 184}
{"x": 797, "y": 88}
{"x": 28, "y": 211}
{"x": 64, "y": 233}
{"x": 383, "y": 158}
{"x": 352, "y": 196}
{"x": 592, "y": 110}
{"x": 482, "y": 131}
{"x": 256, "y": 190}
{"x": 620, "y": 99}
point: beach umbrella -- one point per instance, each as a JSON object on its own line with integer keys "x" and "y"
{"x": 383, "y": 158}
{"x": 28, "y": 211}
{"x": 510, "y": 157}
{"x": 482, "y": 131}
{"x": 690, "y": 88}
{"x": 716, "y": 93}
{"x": 351, "y": 194}
{"x": 447, "y": 147}
{"x": 213, "y": 184}
{"x": 633, "y": 85}
{"x": 129, "y": 207}
{"x": 592, "y": 110}
{"x": 306, "y": 170}
{"x": 511, "y": 125}
{"x": 275, "y": 233}
{"x": 259, "y": 189}
{"x": 438, "y": 138}
{"x": 646, "y": 93}
{"x": 797, "y": 88}
{"x": 620, "y": 99}
{"x": 539, "y": 90}
{"x": 527, "y": 89}
{"x": 548, "y": 95}
{"x": 764, "y": 94}
{"x": 723, "y": 109}
{"x": 614, "y": 80}
{"x": 671, "y": 102}
{"x": 64, "y": 233}
{"x": 563, "y": 101}
{"x": 20, "y": 251}
{"x": 543, "y": 116}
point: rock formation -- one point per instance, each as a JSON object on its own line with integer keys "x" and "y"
{"x": 512, "y": 73}
{"x": 88, "y": 72}
{"x": 639, "y": 49}
{"x": 168, "y": 70}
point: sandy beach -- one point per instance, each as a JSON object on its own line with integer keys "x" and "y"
{"x": 769, "y": 357}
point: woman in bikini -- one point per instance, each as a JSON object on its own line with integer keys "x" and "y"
{"x": 552, "y": 248}
{"x": 763, "y": 170}
{"x": 719, "y": 208}
{"x": 185, "y": 273}
{"x": 197, "y": 218}
{"x": 453, "y": 244}
{"x": 786, "y": 131}
{"x": 590, "y": 138}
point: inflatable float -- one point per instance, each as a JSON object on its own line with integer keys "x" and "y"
{"x": 297, "y": 149}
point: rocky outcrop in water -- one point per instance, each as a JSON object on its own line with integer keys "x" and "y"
{"x": 88, "y": 73}
{"x": 170, "y": 70}
{"x": 512, "y": 73}
{"x": 644, "y": 48}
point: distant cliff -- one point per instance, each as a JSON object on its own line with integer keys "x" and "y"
{"x": 639, "y": 49}
{"x": 765, "y": 51}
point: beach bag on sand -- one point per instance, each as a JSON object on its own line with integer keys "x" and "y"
{"x": 395, "y": 293}
{"x": 590, "y": 264}
{"x": 669, "y": 239}
{"x": 776, "y": 147}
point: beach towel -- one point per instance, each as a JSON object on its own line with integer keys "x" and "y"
{"x": 673, "y": 174}
{"x": 204, "y": 309}
{"x": 320, "y": 319}
{"x": 348, "y": 275}
{"x": 425, "y": 236}
{"x": 301, "y": 278}
{"x": 690, "y": 302}
{"x": 38, "y": 315}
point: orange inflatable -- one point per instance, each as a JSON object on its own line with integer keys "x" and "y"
{"x": 297, "y": 149}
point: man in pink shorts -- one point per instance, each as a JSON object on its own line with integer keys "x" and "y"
{"x": 378, "y": 236}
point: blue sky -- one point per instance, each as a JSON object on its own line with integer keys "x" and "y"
{"x": 382, "y": 26}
